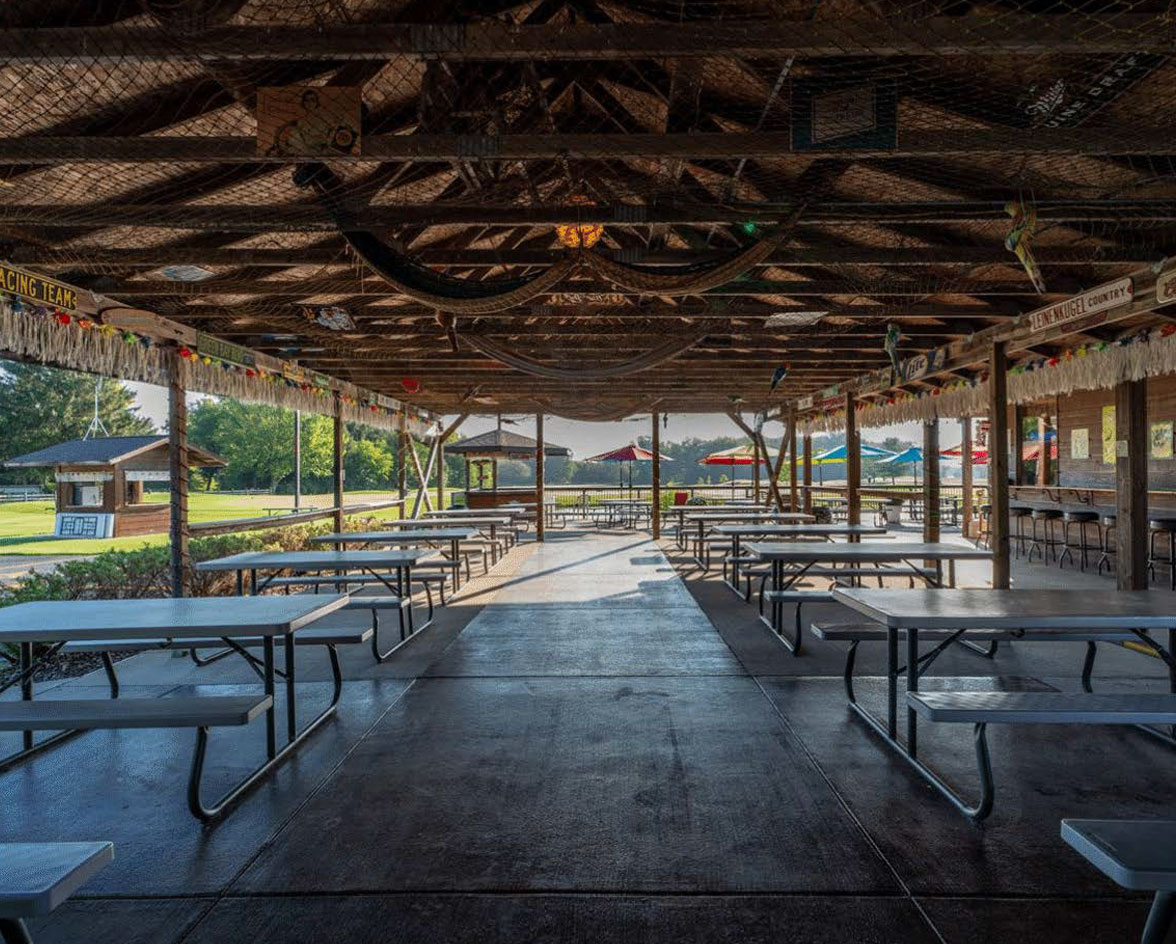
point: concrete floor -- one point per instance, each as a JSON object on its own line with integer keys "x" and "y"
{"x": 597, "y": 743}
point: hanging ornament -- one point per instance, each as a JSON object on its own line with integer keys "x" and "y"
{"x": 778, "y": 375}
{"x": 410, "y": 385}
{"x": 1018, "y": 239}
{"x": 890, "y": 346}
{"x": 580, "y": 235}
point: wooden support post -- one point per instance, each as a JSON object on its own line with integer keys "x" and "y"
{"x": 808, "y": 473}
{"x": 793, "y": 489}
{"x": 337, "y": 469}
{"x": 755, "y": 454}
{"x": 297, "y": 459}
{"x": 998, "y": 463}
{"x": 494, "y": 475}
{"x": 1019, "y": 475}
{"x": 655, "y": 507}
{"x": 402, "y": 447}
{"x": 1043, "y": 460}
{"x": 540, "y": 474}
{"x": 441, "y": 475}
{"x": 177, "y": 436}
{"x": 966, "y": 473}
{"x": 1131, "y": 452}
{"x": 931, "y": 481}
{"x": 853, "y": 461}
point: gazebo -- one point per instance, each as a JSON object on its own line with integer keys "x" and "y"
{"x": 100, "y": 483}
{"x": 482, "y": 453}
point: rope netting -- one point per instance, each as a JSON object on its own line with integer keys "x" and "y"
{"x": 895, "y": 153}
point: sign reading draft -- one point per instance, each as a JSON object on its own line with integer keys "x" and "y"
{"x": 308, "y": 121}
{"x": 38, "y": 288}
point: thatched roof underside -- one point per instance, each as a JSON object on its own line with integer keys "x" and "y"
{"x": 127, "y": 146}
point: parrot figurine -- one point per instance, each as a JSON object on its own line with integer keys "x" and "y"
{"x": 1017, "y": 240}
{"x": 777, "y": 376}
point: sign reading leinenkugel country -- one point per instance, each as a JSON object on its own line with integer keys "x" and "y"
{"x": 1098, "y": 299}
{"x": 37, "y": 288}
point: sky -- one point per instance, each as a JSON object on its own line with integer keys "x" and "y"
{"x": 588, "y": 439}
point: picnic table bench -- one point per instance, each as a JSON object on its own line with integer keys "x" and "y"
{"x": 1046, "y": 614}
{"x": 57, "y": 623}
{"x": 390, "y": 569}
{"x": 1136, "y": 854}
{"x": 862, "y": 559}
{"x": 38, "y": 877}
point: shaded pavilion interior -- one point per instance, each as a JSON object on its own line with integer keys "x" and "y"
{"x": 831, "y": 215}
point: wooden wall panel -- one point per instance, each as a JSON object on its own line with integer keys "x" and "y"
{"x": 1084, "y": 410}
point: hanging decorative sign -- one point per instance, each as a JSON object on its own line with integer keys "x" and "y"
{"x": 1166, "y": 287}
{"x": 37, "y": 288}
{"x": 331, "y": 317}
{"x": 83, "y": 476}
{"x": 982, "y": 427}
{"x": 805, "y": 403}
{"x": 308, "y": 121}
{"x": 1096, "y": 300}
{"x": 923, "y": 364}
{"x": 215, "y": 348}
{"x": 147, "y": 475}
{"x": 1080, "y": 443}
{"x": 295, "y": 374}
{"x": 830, "y": 112}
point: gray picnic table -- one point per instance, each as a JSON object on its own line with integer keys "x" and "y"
{"x": 37, "y": 877}
{"x": 785, "y": 531}
{"x": 1042, "y": 614}
{"x": 488, "y": 520}
{"x": 454, "y": 537}
{"x": 376, "y": 564}
{"x": 707, "y": 518}
{"x": 802, "y": 557}
{"x": 231, "y": 619}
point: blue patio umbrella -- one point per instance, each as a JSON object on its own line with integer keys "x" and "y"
{"x": 839, "y": 453}
{"x": 912, "y": 455}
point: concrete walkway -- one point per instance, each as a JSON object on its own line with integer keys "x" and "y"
{"x": 575, "y": 753}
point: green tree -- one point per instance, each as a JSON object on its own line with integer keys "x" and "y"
{"x": 41, "y": 406}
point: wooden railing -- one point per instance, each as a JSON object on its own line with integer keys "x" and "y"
{"x": 206, "y": 528}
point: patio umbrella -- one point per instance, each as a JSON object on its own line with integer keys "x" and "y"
{"x": 734, "y": 457}
{"x": 912, "y": 455}
{"x": 629, "y": 454}
{"x": 839, "y": 454}
{"x": 1029, "y": 452}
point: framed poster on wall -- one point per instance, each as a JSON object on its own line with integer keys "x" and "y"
{"x": 1080, "y": 443}
{"x": 1161, "y": 440}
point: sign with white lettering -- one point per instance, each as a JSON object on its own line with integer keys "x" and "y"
{"x": 805, "y": 403}
{"x": 148, "y": 475}
{"x": 1098, "y": 299}
{"x": 84, "y": 476}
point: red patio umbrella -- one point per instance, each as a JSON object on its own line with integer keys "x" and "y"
{"x": 630, "y": 454}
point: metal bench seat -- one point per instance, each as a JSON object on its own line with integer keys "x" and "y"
{"x": 92, "y": 714}
{"x": 1044, "y": 707}
{"x": 981, "y": 709}
{"x": 316, "y": 635}
{"x": 1136, "y": 854}
{"x": 37, "y": 877}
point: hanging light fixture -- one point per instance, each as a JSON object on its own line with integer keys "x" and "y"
{"x": 580, "y": 235}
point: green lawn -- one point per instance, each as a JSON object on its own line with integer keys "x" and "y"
{"x": 27, "y": 527}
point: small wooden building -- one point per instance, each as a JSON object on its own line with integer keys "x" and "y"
{"x": 100, "y": 483}
{"x": 484, "y": 450}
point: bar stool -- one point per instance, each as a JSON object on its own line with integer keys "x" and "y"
{"x": 1083, "y": 519}
{"x": 1108, "y": 544}
{"x": 1044, "y": 539}
{"x": 1021, "y": 514}
{"x": 984, "y": 534}
{"x": 1159, "y": 528}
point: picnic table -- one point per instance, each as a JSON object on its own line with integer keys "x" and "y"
{"x": 706, "y": 517}
{"x": 802, "y": 557}
{"x": 405, "y": 538}
{"x": 375, "y": 564}
{"x": 236, "y": 621}
{"x": 785, "y": 531}
{"x": 1039, "y": 614}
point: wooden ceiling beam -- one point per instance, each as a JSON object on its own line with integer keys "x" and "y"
{"x": 374, "y": 287}
{"x": 962, "y": 142}
{"x": 838, "y": 38}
